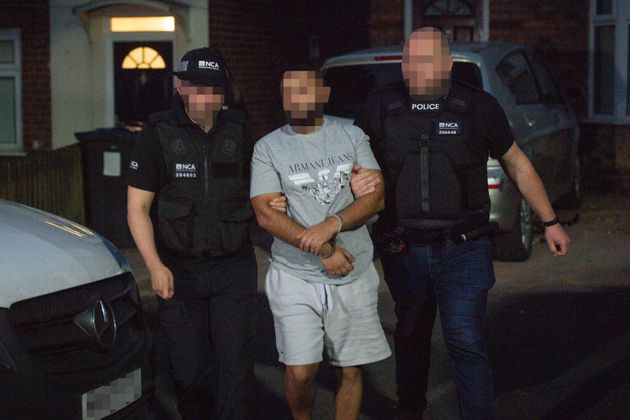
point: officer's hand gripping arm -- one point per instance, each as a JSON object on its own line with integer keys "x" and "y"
{"x": 365, "y": 206}
{"x": 356, "y": 214}
{"x": 363, "y": 181}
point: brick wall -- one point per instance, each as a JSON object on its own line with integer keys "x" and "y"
{"x": 262, "y": 38}
{"x": 386, "y": 22}
{"x": 34, "y": 24}
{"x": 557, "y": 31}
{"x": 253, "y": 36}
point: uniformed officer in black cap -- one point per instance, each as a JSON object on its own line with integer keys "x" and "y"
{"x": 432, "y": 137}
{"x": 189, "y": 213}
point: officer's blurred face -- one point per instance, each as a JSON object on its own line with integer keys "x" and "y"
{"x": 303, "y": 95}
{"x": 426, "y": 65}
{"x": 201, "y": 102}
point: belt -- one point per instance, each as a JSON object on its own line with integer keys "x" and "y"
{"x": 447, "y": 236}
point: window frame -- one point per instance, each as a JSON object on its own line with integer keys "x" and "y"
{"x": 619, "y": 19}
{"x": 14, "y": 70}
{"x": 513, "y": 95}
{"x": 466, "y": 3}
{"x": 536, "y": 65}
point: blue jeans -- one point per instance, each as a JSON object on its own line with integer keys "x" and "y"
{"x": 454, "y": 279}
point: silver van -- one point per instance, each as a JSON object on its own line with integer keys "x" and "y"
{"x": 543, "y": 124}
{"x": 73, "y": 340}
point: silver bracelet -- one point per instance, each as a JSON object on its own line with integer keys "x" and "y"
{"x": 340, "y": 220}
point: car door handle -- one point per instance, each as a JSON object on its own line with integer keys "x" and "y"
{"x": 530, "y": 121}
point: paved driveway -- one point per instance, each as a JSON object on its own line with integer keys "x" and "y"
{"x": 558, "y": 329}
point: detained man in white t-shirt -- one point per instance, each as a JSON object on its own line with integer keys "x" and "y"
{"x": 322, "y": 284}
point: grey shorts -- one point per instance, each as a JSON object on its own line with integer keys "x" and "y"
{"x": 310, "y": 318}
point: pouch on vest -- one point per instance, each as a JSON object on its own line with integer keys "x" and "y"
{"x": 234, "y": 227}
{"x": 428, "y": 186}
{"x": 175, "y": 226}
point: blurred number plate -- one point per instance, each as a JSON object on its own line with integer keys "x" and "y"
{"x": 106, "y": 400}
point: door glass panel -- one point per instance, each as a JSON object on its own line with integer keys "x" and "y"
{"x": 142, "y": 79}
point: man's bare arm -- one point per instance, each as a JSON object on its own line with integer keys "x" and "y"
{"x": 337, "y": 261}
{"x": 522, "y": 172}
{"x": 357, "y": 213}
{"x": 277, "y": 223}
{"x": 365, "y": 207}
{"x": 138, "y": 207}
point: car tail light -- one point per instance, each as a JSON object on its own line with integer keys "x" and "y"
{"x": 495, "y": 183}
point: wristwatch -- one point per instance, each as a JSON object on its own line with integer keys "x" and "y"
{"x": 552, "y": 222}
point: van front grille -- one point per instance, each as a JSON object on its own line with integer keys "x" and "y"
{"x": 46, "y": 325}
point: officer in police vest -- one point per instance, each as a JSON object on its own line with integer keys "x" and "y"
{"x": 189, "y": 214}
{"x": 432, "y": 137}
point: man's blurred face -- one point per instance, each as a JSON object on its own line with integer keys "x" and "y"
{"x": 303, "y": 95}
{"x": 201, "y": 102}
{"x": 426, "y": 65}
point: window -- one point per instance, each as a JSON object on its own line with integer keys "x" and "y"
{"x": 10, "y": 91}
{"x": 628, "y": 77}
{"x": 449, "y": 8}
{"x": 609, "y": 61}
{"x": 604, "y": 70}
{"x": 143, "y": 24}
{"x": 603, "y": 7}
{"x": 350, "y": 85}
{"x": 517, "y": 76}
{"x": 549, "y": 91}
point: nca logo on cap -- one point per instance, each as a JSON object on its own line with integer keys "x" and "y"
{"x": 425, "y": 107}
{"x": 213, "y": 65}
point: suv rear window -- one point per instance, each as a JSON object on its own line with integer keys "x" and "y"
{"x": 350, "y": 85}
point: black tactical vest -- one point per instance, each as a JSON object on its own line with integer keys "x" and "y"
{"x": 437, "y": 179}
{"x": 204, "y": 209}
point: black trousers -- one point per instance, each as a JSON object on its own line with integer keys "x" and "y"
{"x": 208, "y": 329}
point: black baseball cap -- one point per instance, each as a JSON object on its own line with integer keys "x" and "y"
{"x": 204, "y": 67}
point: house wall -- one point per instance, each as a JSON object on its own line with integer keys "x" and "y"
{"x": 260, "y": 39}
{"x": 386, "y": 22}
{"x": 82, "y": 54}
{"x": 258, "y": 43}
{"x": 31, "y": 18}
